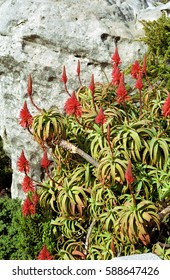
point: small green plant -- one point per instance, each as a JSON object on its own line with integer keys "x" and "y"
{"x": 22, "y": 237}
{"x": 158, "y": 41}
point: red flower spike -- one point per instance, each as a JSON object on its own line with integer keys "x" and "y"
{"x": 45, "y": 162}
{"x": 115, "y": 75}
{"x": 72, "y": 106}
{"x": 138, "y": 83}
{"x": 166, "y": 107}
{"x": 92, "y": 85}
{"x": 100, "y": 118}
{"x": 25, "y": 117}
{"x": 35, "y": 198}
{"x": 44, "y": 254}
{"x": 144, "y": 65}
{"x": 22, "y": 163}
{"x": 116, "y": 57}
{"x": 64, "y": 76}
{"x": 78, "y": 68}
{"x": 29, "y": 85}
{"x": 27, "y": 184}
{"x": 128, "y": 174}
{"x": 121, "y": 91}
{"x": 28, "y": 208}
{"x": 135, "y": 69}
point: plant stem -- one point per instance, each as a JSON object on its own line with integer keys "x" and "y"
{"x": 93, "y": 101}
{"x": 140, "y": 94}
{"x": 88, "y": 235}
{"x": 31, "y": 99}
{"x": 132, "y": 194}
{"x": 125, "y": 108}
{"x": 164, "y": 212}
{"x": 74, "y": 150}
{"x": 66, "y": 89}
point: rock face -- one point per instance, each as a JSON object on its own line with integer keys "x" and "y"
{"x": 39, "y": 37}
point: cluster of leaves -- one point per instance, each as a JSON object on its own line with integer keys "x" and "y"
{"x": 17, "y": 242}
{"x": 157, "y": 38}
{"x": 106, "y": 162}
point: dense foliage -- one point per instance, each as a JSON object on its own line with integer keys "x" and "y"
{"x": 22, "y": 237}
{"x": 157, "y": 38}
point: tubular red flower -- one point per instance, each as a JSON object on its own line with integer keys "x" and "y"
{"x": 35, "y": 198}
{"x": 27, "y": 184}
{"x": 22, "y": 163}
{"x": 92, "y": 85}
{"x": 29, "y": 85}
{"x": 45, "y": 162}
{"x": 100, "y": 118}
{"x": 64, "y": 76}
{"x": 44, "y": 254}
{"x": 72, "y": 106}
{"x": 166, "y": 107}
{"x": 25, "y": 117}
{"x": 121, "y": 91}
{"x": 139, "y": 84}
{"x": 28, "y": 208}
{"x": 135, "y": 69}
{"x": 78, "y": 68}
{"x": 116, "y": 75}
{"x": 116, "y": 57}
{"x": 128, "y": 174}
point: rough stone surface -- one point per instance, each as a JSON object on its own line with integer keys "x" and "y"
{"x": 39, "y": 37}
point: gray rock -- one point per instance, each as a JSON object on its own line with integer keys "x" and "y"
{"x": 39, "y": 37}
{"x": 138, "y": 257}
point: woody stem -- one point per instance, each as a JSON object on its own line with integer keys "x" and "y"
{"x": 74, "y": 150}
{"x": 66, "y": 89}
{"x": 34, "y": 104}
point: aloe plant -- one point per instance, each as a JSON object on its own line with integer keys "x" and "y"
{"x": 108, "y": 184}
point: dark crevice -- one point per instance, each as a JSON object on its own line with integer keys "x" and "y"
{"x": 5, "y": 172}
{"x": 98, "y": 63}
{"x": 104, "y": 36}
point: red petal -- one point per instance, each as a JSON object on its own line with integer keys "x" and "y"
{"x": 25, "y": 117}
{"x": 116, "y": 75}
{"x": 29, "y": 86}
{"x": 138, "y": 83}
{"x": 128, "y": 174}
{"x": 28, "y": 208}
{"x": 135, "y": 69}
{"x": 121, "y": 91}
{"x": 78, "y": 68}
{"x": 100, "y": 118}
{"x": 22, "y": 163}
{"x": 27, "y": 184}
{"x": 116, "y": 57}
{"x": 92, "y": 85}
{"x": 166, "y": 107}
{"x": 64, "y": 76}
{"x": 44, "y": 254}
{"x": 72, "y": 106}
{"x": 45, "y": 162}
